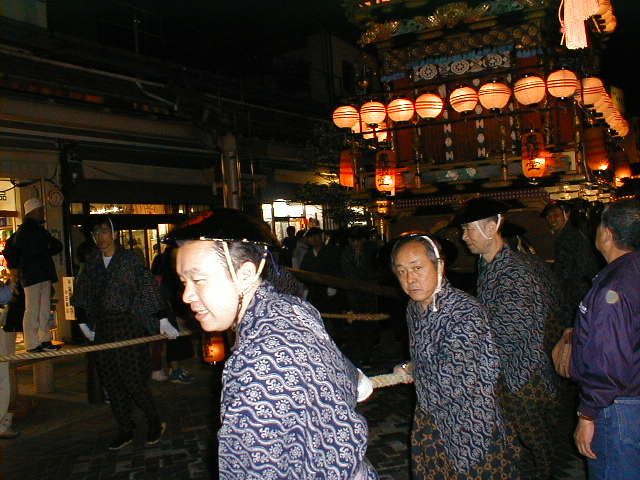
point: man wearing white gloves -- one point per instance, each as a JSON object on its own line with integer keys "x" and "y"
{"x": 116, "y": 298}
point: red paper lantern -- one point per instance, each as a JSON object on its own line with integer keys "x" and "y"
{"x": 386, "y": 161}
{"x": 534, "y": 156}
{"x": 347, "y": 169}
{"x": 214, "y": 349}
{"x": 595, "y": 148}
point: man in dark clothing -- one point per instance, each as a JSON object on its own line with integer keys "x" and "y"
{"x": 288, "y": 246}
{"x": 35, "y": 246}
{"x": 575, "y": 259}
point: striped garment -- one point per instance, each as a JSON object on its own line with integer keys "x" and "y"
{"x": 288, "y": 406}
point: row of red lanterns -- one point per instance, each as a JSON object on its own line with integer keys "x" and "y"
{"x": 495, "y": 95}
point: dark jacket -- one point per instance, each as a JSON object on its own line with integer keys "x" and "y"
{"x": 36, "y": 246}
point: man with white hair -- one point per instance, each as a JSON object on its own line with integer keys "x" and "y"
{"x": 35, "y": 247}
{"x": 522, "y": 298}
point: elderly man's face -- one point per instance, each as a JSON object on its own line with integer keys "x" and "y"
{"x": 476, "y": 237}
{"x": 556, "y": 219}
{"x": 208, "y": 290}
{"x": 416, "y": 272}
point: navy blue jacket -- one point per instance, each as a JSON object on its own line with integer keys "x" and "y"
{"x": 36, "y": 246}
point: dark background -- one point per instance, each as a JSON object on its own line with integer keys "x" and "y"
{"x": 242, "y": 36}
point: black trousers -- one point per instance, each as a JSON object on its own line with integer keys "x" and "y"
{"x": 124, "y": 372}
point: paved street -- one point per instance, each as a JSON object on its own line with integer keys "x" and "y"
{"x": 63, "y": 436}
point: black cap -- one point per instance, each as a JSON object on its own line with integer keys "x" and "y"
{"x": 480, "y": 208}
{"x": 223, "y": 224}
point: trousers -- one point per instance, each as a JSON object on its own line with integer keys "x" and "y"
{"x": 35, "y": 322}
{"x": 617, "y": 442}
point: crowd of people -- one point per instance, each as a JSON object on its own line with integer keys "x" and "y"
{"x": 494, "y": 364}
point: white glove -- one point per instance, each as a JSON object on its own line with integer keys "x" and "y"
{"x": 167, "y": 329}
{"x": 331, "y": 292}
{"x": 365, "y": 387}
{"x": 87, "y": 332}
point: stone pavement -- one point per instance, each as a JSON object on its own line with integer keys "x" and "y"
{"x": 63, "y": 436}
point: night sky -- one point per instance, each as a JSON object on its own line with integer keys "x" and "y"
{"x": 241, "y": 36}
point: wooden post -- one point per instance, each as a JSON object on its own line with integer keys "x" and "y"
{"x": 43, "y": 376}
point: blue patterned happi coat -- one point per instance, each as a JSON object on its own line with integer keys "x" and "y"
{"x": 455, "y": 369}
{"x": 288, "y": 408}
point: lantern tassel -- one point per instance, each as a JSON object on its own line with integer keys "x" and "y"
{"x": 572, "y": 15}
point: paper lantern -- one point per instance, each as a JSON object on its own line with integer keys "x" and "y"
{"x": 463, "y": 99}
{"x": 373, "y": 113}
{"x": 494, "y": 95}
{"x": 591, "y": 91}
{"x": 562, "y": 83}
{"x": 533, "y": 154}
{"x": 429, "y": 105}
{"x": 529, "y": 90}
{"x": 386, "y": 161}
{"x": 400, "y": 110}
{"x": 346, "y": 172}
{"x": 214, "y": 349}
{"x": 345, "y": 116}
{"x": 595, "y": 148}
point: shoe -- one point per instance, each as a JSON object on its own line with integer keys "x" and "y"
{"x": 159, "y": 376}
{"x": 154, "y": 436}
{"x": 50, "y": 347}
{"x": 121, "y": 441}
{"x": 37, "y": 349}
{"x": 8, "y": 434}
{"x": 181, "y": 375}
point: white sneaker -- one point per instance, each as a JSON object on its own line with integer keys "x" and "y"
{"x": 159, "y": 376}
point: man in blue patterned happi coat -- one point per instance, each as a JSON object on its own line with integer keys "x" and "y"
{"x": 288, "y": 407}
{"x": 524, "y": 307}
{"x": 458, "y": 428}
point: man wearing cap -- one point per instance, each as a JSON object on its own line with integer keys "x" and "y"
{"x": 522, "y": 299}
{"x": 35, "y": 246}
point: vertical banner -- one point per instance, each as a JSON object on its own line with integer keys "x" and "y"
{"x": 67, "y": 292}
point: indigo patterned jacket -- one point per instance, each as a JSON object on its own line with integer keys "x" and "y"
{"x": 455, "y": 369}
{"x": 125, "y": 286}
{"x": 523, "y": 301}
{"x": 288, "y": 406}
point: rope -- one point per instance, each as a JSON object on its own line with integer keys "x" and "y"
{"x": 360, "y": 317}
{"x": 389, "y": 379}
{"x": 85, "y": 349}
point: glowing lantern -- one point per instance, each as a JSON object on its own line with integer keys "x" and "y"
{"x": 373, "y": 113}
{"x": 623, "y": 128}
{"x": 386, "y": 170}
{"x": 345, "y": 116}
{"x": 592, "y": 90}
{"x": 622, "y": 168}
{"x": 562, "y": 83}
{"x": 529, "y": 90}
{"x": 604, "y": 105}
{"x": 214, "y": 349}
{"x": 595, "y": 148}
{"x": 533, "y": 155}
{"x": 603, "y": 6}
{"x": 463, "y": 99}
{"x": 346, "y": 172}
{"x": 400, "y": 110}
{"x": 494, "y": 95}
{"x": 429, "y": 105}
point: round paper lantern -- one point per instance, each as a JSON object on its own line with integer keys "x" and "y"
{"x": 623, "y": 128}
{"x": 373, "y": 113}
{"x": 400, "y": 110}
{"x": 604, "y": 105}
{"x": 595, "y": 148}
{"x": 463, "y": 99}
{"x": 603, "y": 6}
{"x": 591, "y": 91}
{"x": 429, "y": 105}
{"x": 345, "y": 116}
{"x": 494, "y": 95}
{"x": 529, "y": 90}
{"x": 562, "y": 83}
